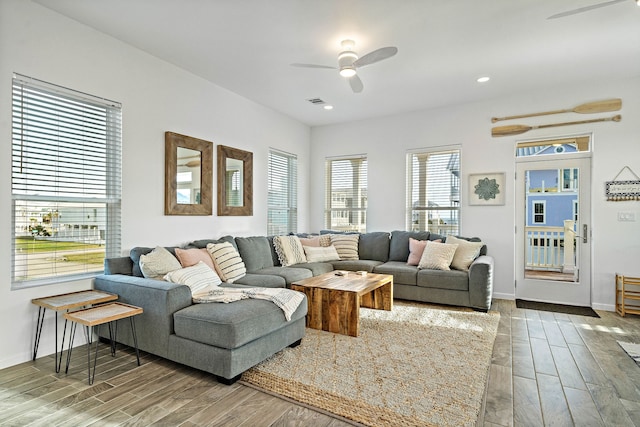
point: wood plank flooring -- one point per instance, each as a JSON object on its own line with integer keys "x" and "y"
{"x": 547, "y": 369}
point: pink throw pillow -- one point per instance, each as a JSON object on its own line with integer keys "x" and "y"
{"x": 416, "y": 248}
{"x": 189, "y": 257}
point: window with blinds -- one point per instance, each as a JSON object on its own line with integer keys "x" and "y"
{"x": 65, "y": 183}
{"x": 282, "y": 203}
{"x": 346, "y": 194}
{"x": 433, "y": 191}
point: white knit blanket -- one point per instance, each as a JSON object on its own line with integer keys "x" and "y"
{"x": 286, "y": 299}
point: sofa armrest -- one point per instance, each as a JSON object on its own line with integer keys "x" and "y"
{"x": 481, "y": 282}
{"x": 159, "y": 301}
{"x": 119, "y": 265}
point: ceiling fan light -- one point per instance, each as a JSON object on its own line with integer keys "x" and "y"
{"x": 347, "y": 72}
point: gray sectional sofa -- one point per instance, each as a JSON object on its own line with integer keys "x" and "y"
{"x": 227, "y": 339}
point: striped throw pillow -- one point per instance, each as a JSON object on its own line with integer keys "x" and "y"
{"x": 200, "y": 278}
{"x": 289, "y": 250}
{"x": 346, "y": 245}
{"x": 227, "y": 261}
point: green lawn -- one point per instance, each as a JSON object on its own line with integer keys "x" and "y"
{"x": 94, "y": 254}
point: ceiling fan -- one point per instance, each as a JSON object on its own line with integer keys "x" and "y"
{"x": 348, "y": 62}
{"x": 587, "y": 8}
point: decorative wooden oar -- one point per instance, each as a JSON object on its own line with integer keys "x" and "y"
{"x": 518, "y": 129}
{"x": 587, "y": 108}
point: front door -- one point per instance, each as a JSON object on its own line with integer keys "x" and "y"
{"x": 553, "y": 231}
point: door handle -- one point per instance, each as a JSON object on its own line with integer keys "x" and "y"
{"x": 584, "y": 233}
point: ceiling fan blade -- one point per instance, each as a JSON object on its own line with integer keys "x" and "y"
{"x": 312, "y": 66}
{"x": 376, "y": 55}
{"x": 585, "y": 9}
{"x": 356, "y": 84}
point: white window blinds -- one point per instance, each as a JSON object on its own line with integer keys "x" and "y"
{"x": 282, "y": 209}
{"x": 65, "y": 182}
{"x": 346, "y": 194}
{"x": 433, "y": 191}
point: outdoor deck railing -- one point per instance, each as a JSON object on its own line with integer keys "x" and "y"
{"x": 551, "y": 248}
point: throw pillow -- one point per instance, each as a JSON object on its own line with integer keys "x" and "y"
{"x": 289, "y": 250}
{"x": 437, "y": 256}
{"x": 199, "y": 278}
{"x": 323, "y": 240}
{"x": 416, "y": 248}
{"x": 157, "y": 263}
{"x": 189, "y": 257}
{"x": 346, "y": 245}
{"x": 466, "y": 253}
{"x": 227, "y": 261}
{"x": 321, "y": 254}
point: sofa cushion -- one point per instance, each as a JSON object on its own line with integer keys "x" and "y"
{"x": 402, "y": 272}
{"x": 289, "y": 250}
{"x": 441, "y": 279}
{"x": 316, "y": 268}
{"x": 261, "y": 281}
{"x": 374, "y": 245}
{"x": 231, "y": 325}
{"x": 321, "y": 253}
{"x": 356, "y": 264}
{"x": 200, "y": 278}
{"x": 399, "y": 245}
{"x": 158, "y": 262}
{"x": 437, "y": 256}
{"x": 189, "y": 257}
{"x": 465, "y": 253}
{"x": 227, "y": 261}
{"x": 346, "y": 245}
{"x": 289, "y": 274}
{"x": 204, "y": 242}
{"x": 255, "y": 252}
{"x": 138, "y": 251}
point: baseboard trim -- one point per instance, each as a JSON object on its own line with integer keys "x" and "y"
{"x": 603, "y": 307}
{"x": 504, "y": 296}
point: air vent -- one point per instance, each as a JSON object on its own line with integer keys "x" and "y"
{"x": 316, "y": 101}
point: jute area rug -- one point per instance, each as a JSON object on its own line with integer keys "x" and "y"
{"x": 416, "y": 365}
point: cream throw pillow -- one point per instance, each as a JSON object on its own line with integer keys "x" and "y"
{"x": 323, "y": 240}
{"x": 200, "y": 278}
{"x": 437, "y": 256}
{"x": 321, "y": 254}
{"x": 289, "y": 250}
{"x": 157, "y": 263}
{"x": 346, "y": 245}
{"x": 227, "y": 261}
{"x": 466, "y": 253}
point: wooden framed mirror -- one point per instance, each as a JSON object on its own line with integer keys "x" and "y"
{"x": 188, "y": 181}
{"x": 235, "y": 182}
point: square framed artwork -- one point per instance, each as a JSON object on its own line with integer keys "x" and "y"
{"x": 487, "y": 189}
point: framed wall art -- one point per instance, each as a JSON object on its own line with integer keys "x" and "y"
{"x": 486, "y": 189}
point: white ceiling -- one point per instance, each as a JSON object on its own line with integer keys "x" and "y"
{"x": 247, "y": 46}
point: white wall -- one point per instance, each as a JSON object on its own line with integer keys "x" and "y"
{"x": 616, "y": 245}
{"x": 156, "y": 97}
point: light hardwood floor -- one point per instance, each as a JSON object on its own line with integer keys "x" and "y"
{"x": 547, "y": 369}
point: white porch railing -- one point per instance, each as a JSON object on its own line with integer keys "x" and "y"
{"x": 551, "y": 248}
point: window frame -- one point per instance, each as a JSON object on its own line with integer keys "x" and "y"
{"x": 351, "y": 218}
{"x": 290, "y": 205}
{"x": 542, "y": 203}
{"x": 67, "y": 161}
{"x": 420, "y": 217}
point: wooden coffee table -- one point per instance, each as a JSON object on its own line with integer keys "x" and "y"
{"x": 335, "y": 300}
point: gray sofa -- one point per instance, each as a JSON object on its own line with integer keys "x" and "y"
{"x": 227, "y": 339}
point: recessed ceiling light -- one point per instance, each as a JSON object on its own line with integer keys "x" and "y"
{"x": 483, "y": 79}
{"x": 328, "y": 107}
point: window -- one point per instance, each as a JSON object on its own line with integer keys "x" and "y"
{"x": 282, "y": 210}
{"x": 539, "y": 215}
{"x": 569, "y": 179}
{"x": 553, "y": 146}
{"x": 65, "y": 183}
{"x": 433, "y": 191}
{"x": 346, "y": 197}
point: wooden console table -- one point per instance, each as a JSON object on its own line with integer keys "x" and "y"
{"x": 64, "y": 302}
{"x": 96, "y": 316}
